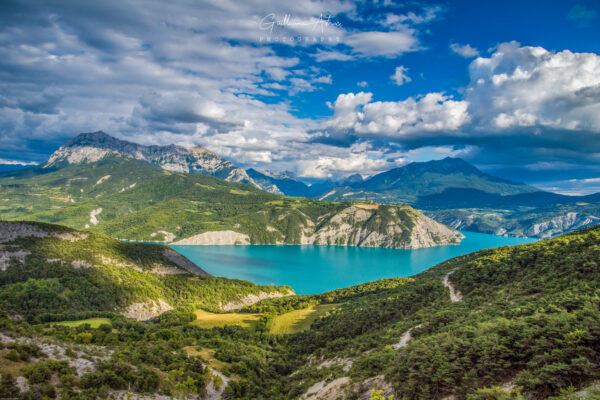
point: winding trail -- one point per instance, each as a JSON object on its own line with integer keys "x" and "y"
{"x": 405, "y": 338}
{"x": 454, "y": 294}
{"x": 213, "y": 393}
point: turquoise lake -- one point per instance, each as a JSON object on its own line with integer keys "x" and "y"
{"x": 312, "y": 269}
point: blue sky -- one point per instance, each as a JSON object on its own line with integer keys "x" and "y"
{"x": 511, "y": 86}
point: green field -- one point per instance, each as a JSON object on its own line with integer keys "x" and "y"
{"x": 94, "y": 322}
{"x": 207, "y": 355}
{"x": 298, "y": 320}
{"x": 288, "y": 323}
{"x": 208, "y": 320}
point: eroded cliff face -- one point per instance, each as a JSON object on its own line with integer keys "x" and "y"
{"x": 542, "y": 225}
{"x": 382, "y": 226}
{"x": 358, "y": 225}
{"x": 560, "y": 224}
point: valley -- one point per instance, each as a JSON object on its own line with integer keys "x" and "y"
{"x": 90, "y": 310}
{"x": 524, "y": 318}
{"x": 299, "y": 200}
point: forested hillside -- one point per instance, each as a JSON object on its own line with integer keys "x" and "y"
{"x": 508, "y": 323}
{"x": 130, "y": 199}
{"x": 49, "y": 272}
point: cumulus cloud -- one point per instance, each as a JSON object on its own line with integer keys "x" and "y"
{"x": 327, "y": 167}
{"x": 362, "y": 84}
{"x": 192, "y": 74}
{"x": 356, "y": 116}
{"x": 400, "y": 76}
{"x": 323, "y": 79}
{"x": 464, "y": 50}
{"x": 550, "y": 94}
{"x": 522, "y": 103}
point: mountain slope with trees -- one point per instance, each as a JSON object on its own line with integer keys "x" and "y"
{"x": 50, "y": 272}
{"x": 131, "y": 199}
{"x": 523, "y": 324}
{"x": 457, "y": 194}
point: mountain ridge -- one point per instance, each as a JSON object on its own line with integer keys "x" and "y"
{"x": 129, "y": 198}
{"x": 93, "y": 146}
{"x": 411, "y": 182}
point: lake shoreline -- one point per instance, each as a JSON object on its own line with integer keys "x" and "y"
{"x": 340, "y": 245}
{"x": 311, "y": 269}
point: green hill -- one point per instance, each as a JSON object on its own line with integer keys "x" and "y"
{"x": 127, "y": 198}
{"x": 50, "y": 272}
{"x": 417, "y": 182}
{"x": 459, "y": 195}
{"x": 524, "y": 324}
{"x": 516, "y": 322}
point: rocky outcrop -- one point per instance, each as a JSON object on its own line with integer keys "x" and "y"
{"x": 368, "y": 225}
{"x": 252, "y": 299}
{"x": 326, "y": 390}
{"x": 381, "y": 226}
{"x": 216, "y": 238}
{"x": 559, "y": 224}
{"x": 148, "y": 310}
{"x": 10, "y": 231}
{"x": 6, "y": 256}
{"x": 167, "y": 236}
{"x": 540, "y": 223}
{"x": 93, "y": 214}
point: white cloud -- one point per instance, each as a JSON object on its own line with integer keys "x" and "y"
{"x": 4, "y": 161}
{"x": 327, "y": 166}
{"x": 429, "y": 14}
{"x": 525, "y": 103}
{"x": 168, "y": 72}
{"x": 321, "y": 56}
{"x": 530, "y": 87}
{"x": 362, "y": 84}
{"x": 355, "y": 114}
{"x": 464, "y": 50}
{"x": 323, "y": 79}
{"x": 400, "y": 76}
{"x": 384, "y": 44}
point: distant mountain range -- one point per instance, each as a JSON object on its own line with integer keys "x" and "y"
{"x": 98, "y": 183}
{"x": 94, "y": 146}
{"x": 420, "y": 182}
{"x": 456, "y": 193}
{"x": 451, "y": 190}
{"x": 288, "y": 184}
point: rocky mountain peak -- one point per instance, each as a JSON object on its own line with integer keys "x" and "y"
{"x": 94, "y": 146}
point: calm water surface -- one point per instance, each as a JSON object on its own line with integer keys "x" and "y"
{"x": 312, "y": 269}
